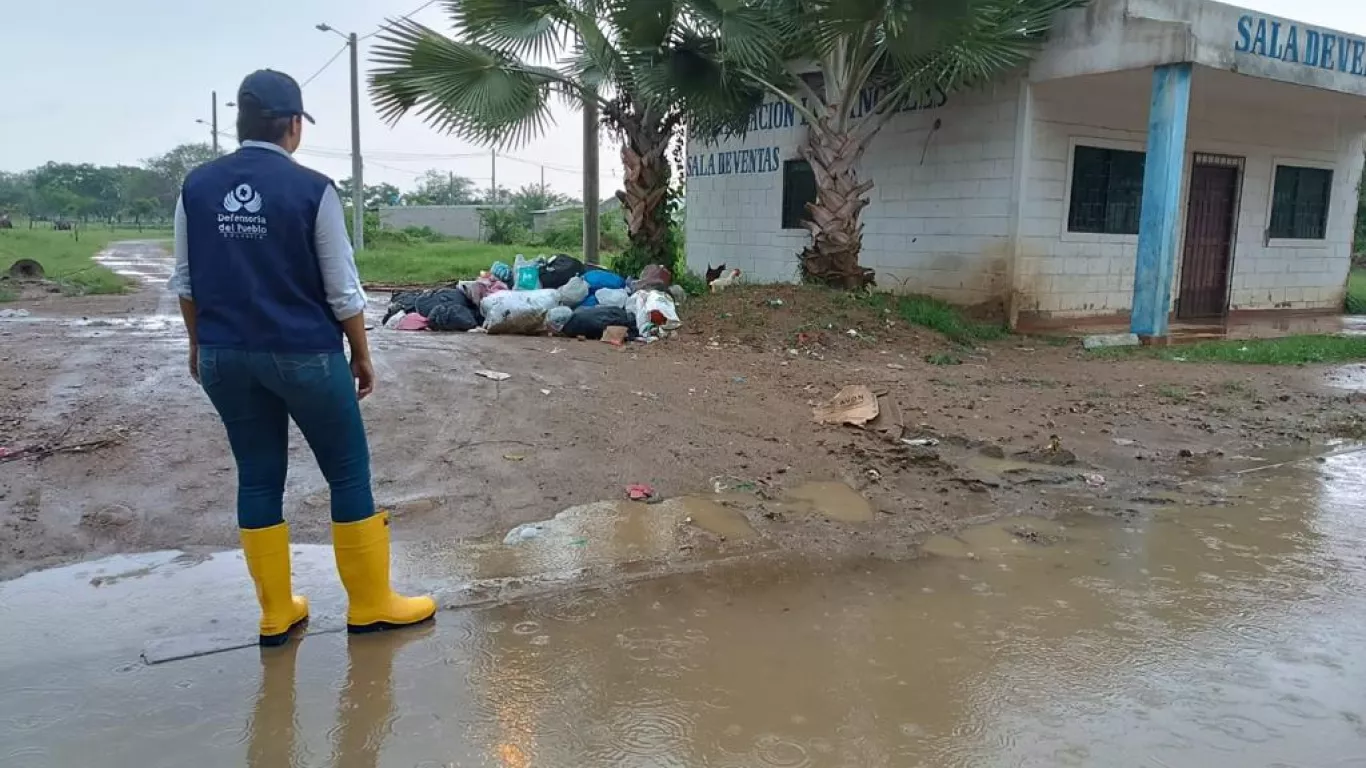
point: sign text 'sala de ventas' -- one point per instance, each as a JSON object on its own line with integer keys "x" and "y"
{"x": 1294, "y": 44}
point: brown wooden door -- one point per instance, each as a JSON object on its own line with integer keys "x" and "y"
{"x": 1208, "y": 251}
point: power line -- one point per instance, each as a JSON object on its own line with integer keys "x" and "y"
{"x": 407, "y": 15}
{"x": 324, "y": 67}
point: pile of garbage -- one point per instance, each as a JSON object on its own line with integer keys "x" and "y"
{"x": 557, "y": 295}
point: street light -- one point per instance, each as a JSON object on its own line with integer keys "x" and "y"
{"x": 357, "y": 183}
{"x": 213, "y": 126}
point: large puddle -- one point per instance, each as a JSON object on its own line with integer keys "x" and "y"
{"x": 1203, "y": 636}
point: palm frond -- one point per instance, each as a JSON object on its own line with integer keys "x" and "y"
{"x": 535, "y": 29}
{"x": 467, "y": 89}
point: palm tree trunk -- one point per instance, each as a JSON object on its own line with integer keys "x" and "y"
{"x": 832, "y": 258}
{"x": 646, "y": 175}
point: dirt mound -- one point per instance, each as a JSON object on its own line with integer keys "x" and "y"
{"x": 785, "y": 317}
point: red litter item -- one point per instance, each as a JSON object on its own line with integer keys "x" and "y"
{"x": 640, "y": 492}
{"x": 412, "y": 322}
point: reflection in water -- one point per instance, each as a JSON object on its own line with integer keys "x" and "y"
{"x": 270, "y": 742}
{"x": 1220, "y": 636}
{"x": 365, "y": 707}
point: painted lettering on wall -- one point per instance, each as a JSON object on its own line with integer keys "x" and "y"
{"x": 762, "y": 160}
{"x": 780, "y": 115}
{"x": 1290, "y": 43}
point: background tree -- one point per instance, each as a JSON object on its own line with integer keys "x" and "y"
{"x": 648, "y": 64}
{"x": 442, "y": 188}
{"x": 171, "y": 168}
{"x": 376, "y": 195}
{"x": 891, "y": 54}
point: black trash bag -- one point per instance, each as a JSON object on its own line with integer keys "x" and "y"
{"x": 430, "y": 300}
{"x": 405, "y": 301}
{"x": 451, "y": 316}
{"x": 590, "y": 322}
{"x": 561, "y": 267}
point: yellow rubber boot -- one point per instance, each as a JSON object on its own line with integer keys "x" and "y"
{"x": 267, "y": 551}
{"x": 363, "y": 561}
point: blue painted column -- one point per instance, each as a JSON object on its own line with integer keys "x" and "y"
{"x": 1160, "y": 218}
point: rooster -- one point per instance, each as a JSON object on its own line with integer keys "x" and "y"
{"x": 714, "y": 272}
{"x": 725, "y": 281}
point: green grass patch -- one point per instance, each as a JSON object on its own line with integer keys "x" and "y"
{"x": 67, "y": 259}
{"x": 938, "y": 316}
{"x": 1289, "y": 350}
{"x": 1356, "y": 293}
{"x": 443, "y": 261}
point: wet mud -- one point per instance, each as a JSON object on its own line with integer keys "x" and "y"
{"x": 1192, "y": 634}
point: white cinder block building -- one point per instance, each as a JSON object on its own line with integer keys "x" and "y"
{"x": 1213, "y": 152}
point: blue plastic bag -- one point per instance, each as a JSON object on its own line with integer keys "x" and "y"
{"x": 601, "y": 278}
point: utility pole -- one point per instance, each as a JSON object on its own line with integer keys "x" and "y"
{"x": 543, "y": 180}
{"x": 493, "y": 189}
{"x": 450, "y": 187}
{"x": 357, "y": 183}
{"x": 590, "y": 179}
{"x": 214, "y": 127}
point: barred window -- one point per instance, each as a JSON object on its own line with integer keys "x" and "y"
{"x": 1299, "y": 203}
{"x": 799, "y": 188}
{"x": 1107, "y": 191}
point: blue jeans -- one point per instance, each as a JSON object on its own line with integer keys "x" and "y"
{"x": 256, "y": 394}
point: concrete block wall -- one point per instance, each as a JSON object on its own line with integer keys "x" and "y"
{"x": 452, "y": 220}
{"x": 939, "y": 215}
{"x": 1067, "y": 274}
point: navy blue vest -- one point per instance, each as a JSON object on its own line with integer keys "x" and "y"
{"x": 254, "y": 272}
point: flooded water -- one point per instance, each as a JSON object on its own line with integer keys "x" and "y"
{"x": 1188, "y": 636}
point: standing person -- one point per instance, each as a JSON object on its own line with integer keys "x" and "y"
{"x": 268, "y": 287}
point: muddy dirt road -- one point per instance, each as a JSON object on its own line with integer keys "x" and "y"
{"x": 460, "y": 457}
{"x": 1229, "y": 636}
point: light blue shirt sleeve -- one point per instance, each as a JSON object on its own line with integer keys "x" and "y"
{"x": 336, "y": 259}
{"x": 180, "y": 278}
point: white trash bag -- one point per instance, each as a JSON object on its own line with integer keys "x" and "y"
{"x": 612, "y": 297}
{"x": 574, "y": 292}
{"x": 654, "y": 311}
{"x": 518, "y": 312}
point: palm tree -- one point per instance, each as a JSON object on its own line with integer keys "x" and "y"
{"x": 895, "y": 49}
{"x": 649, "y": 66}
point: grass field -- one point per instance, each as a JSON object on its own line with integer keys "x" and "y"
{"x": 66, "y": 259}
{"x": 1356, "y": 293}
{"x": 1290, "y": 350}
{"x": 428, "y": 263}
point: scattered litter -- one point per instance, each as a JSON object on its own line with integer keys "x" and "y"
{"x": 1123, "y": 441}
{"x": 738, "y": 379}
{"x": 852, "y": 332}
{"x": 514, "y": 457}
{"x": 545, "y": 392}
{"x": 494, "y": 375}
{"x": 616, "y": 335}
{"x": 1094, "y": 480}
{"x": 896, "y": 366}
{"x": 856, "y": 405}
{"x": 9, "y": 313}
{"x": 640, "y": 492}
{"x": 921, "y": 442}
{"x": 524, "y": 532}
{"x": 775, "y": 302}
{"x": 411, "y": 322}
{"x": 1099, "y": 341}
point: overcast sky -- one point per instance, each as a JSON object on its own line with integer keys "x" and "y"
{"x": 91, "y": 81}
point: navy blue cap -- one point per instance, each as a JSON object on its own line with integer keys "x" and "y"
{"x": 276, "y": 94}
